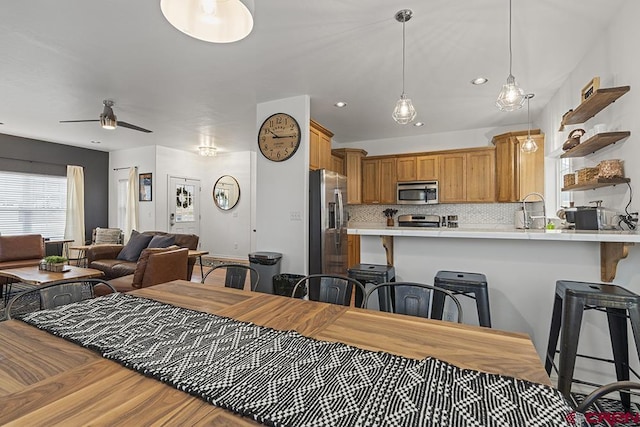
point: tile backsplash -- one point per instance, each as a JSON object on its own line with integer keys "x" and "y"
{"x": 469, "y": 214}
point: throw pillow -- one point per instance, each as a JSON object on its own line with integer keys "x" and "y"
{"x": 107, "y": 236}
{"x": 159, "y": 241}
{"x": 137, "y": 242}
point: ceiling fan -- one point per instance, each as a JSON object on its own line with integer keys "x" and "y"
{"x": 108, "y": 119}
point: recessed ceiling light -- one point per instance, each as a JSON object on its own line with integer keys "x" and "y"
{"x": 95, "y": 142}
{"x": 479, "y": 81}
{"x": 340, "y": 104}
{"x": 418, "y": 124}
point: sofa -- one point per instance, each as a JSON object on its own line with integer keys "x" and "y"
{"x": 105, "y": 257}
{"x": 155, "y": 265}
{"x": 21, "y": 251}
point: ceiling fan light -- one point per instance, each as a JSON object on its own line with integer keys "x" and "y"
{"x": 404, "y": 112}
{"x": 511, "y": 96}
{"x": 207, "y": 151}
{"x": 215, "y": 21}
{"x": 108, "y": 122}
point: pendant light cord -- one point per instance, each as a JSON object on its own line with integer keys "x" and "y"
{"x": 528, "y": 118}
{"x": 510, "y": 51}
{"x": 404, "y": 21}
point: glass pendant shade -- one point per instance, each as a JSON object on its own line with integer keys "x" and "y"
{"x": 404, "y": 112}
{"x": 215, "y": 21}
{"x": 511, "y": 96}
{"x": 529, "y": 145}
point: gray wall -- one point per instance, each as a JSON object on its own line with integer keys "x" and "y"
{"x": 29, "y": 155}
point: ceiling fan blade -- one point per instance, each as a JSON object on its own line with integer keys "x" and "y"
{"x": 77, "y": 121}
{"x": 134, "y": 127}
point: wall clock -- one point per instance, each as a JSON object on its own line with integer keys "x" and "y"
{"x": 279, "y": 137}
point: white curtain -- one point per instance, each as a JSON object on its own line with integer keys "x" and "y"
{"x": 131, "y": 216}
{"x": 74, "y": 224}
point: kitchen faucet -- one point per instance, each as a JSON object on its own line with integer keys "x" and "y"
{"x": 527, "y": 223}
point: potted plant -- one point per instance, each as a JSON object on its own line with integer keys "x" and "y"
{"x": 54, "y": 263}
{"x": 389, "y": 213}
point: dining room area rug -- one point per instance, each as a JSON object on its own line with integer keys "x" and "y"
{"x": 282, "y": 378}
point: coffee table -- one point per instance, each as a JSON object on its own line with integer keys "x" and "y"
{"x": 34, "y": 276}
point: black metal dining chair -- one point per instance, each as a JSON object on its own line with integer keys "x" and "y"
{"x": 413, "y": 298}
{"x": 54, "y": 294}
{"x": 591, "y": 399}
{"x": 235, "y": 276}
{"x": 330, "y": 288}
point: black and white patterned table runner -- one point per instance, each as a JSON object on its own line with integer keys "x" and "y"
{"x": 282, "y": 378}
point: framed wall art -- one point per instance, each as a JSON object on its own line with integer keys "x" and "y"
{"x": 146, "y": 186}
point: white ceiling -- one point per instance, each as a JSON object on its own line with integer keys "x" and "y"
{"x": 60, "y": 59}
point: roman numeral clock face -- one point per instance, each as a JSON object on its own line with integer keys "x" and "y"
{"x": 279, "y": 137}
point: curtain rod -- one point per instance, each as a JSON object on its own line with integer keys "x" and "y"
{"x": 32, "y": 161}
{"x": 127, "y": 167}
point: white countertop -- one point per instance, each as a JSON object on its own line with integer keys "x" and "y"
{"x": 496, "y": 233}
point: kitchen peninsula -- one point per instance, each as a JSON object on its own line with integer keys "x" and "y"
{"x": 522, "y": 267}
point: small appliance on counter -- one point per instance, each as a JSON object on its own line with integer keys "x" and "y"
{"x": 418, "y": 221}
{"x": 594, "y": 217}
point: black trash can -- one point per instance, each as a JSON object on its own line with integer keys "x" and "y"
{"x": 267, "y": 264}
{"x": 283, "y": 284}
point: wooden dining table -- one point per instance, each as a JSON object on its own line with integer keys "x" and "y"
{"x": 46, "y": 380}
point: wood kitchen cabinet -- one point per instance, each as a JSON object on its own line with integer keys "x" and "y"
{"x": 319, "y": 146}
{"x": 452, "y": 186}
{"x": 379, "y": 180}
{"x": 427, "y": 168}
{"x": 517, "y": 173}
{"x": 352, "y": 169}
{"x": 467, "y": 176}
{"x": 406, "y": 169}
{"x": 353, "y": 249}
{"x": 337, "y": 164}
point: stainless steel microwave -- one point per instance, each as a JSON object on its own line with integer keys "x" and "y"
{"x": 417, "y": 193}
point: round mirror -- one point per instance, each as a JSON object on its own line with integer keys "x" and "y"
{"x": 226, "y": 192}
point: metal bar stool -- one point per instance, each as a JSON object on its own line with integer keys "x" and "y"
{"x": 472, "y": 285}
{"x": 374, "y": 274}
{"x": 571, "y": 299}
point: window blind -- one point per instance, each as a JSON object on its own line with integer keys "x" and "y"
{"x": 32, "y": 204}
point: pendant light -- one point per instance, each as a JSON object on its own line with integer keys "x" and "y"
{"x": 529, "y": 145}
{"x": 511, "y": 96}
{"x": 404, "y": 112}
{"x": 215, "y": 21}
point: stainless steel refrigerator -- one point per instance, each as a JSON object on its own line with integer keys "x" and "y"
{"x": 327, "y": 222}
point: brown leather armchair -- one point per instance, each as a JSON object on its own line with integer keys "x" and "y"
{"x": 155, "y": 265}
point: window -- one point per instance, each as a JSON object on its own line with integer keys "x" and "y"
{"x": 33, "y": 204}
{"x": 564, "y": 197}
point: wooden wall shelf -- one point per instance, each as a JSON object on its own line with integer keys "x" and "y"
{"x": 595, "y": 143}
{"x": 593, "y": 105}
{"x": 600, "y": 182}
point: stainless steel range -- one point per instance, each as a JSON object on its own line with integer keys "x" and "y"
{"x": 418, "y": 220}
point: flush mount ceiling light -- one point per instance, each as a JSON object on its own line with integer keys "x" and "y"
{"x": 418, "y": 124}
{"x": 529, "y": 145}
{"x": 340, "y": 104}
{"x": 511, "y": 96}
{"x": 404, "y": 112}
{"x": 479, "y": 81}
{"x": 207, "y": 151}
{"x": 215, "y": 21}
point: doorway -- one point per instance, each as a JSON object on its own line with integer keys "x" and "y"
{"x": 184, "y": 205}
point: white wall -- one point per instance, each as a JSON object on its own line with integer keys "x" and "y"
{"x": 612, "y": 60}
{"x": 432, "y": 142}
{"x": 145, "y": 159}
{"x": 220, "y": 231}
{"x": 282, "y": 192}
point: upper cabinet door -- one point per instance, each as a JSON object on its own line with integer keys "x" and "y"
{"x": 427, "y": 168}
{"x": 453, "y": 178}
{"x": 406, "y": 169}
{"x": 481, "y": 177}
